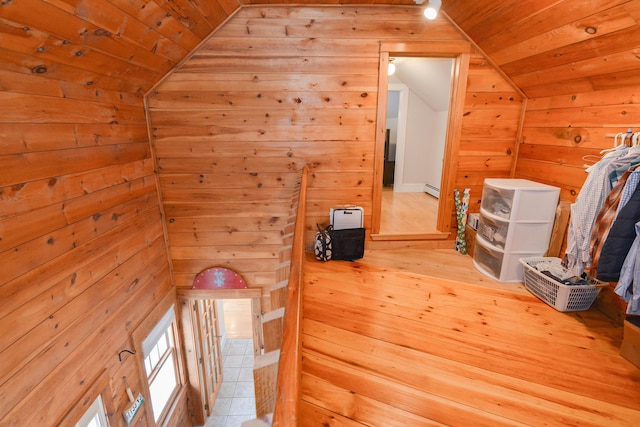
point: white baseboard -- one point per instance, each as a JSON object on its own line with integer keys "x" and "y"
{"x": 408, "y": 188}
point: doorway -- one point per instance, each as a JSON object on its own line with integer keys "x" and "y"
{"x": 454, "y": 57}
{"x": 417, "y": 112}
{"x": 235, "y": 399}
{"x": 216, "y": 368}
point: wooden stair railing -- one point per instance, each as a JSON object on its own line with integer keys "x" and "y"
{"x": 277, "y": 372}
{"x": 290, "y": 366}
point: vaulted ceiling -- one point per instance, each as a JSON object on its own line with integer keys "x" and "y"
{"x": 547, "y": 47}
{"x": 552, "y": 47}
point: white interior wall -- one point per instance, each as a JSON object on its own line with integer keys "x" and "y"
{"x": 421, "y": 151}
{"x": 436, "y": 152}
{"x": 420, "y": 129}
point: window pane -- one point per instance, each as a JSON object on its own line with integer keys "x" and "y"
{"x": 94, "y": 417}
{"x": 161, "y": 364}
{"x": 163, "y": 386}
{"x": 162, "y": 345}
{"x": 147, "y": 365}
{"x": 154, "y": 357}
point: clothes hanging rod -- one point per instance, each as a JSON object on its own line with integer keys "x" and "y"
{"x": 613, "y": 135}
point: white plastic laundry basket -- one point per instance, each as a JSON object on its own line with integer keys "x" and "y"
{"x": 558, "y": 295}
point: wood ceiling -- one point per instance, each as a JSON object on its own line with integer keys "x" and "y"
{"x": 553, "y": 47}
{"x": 547, "y": 47}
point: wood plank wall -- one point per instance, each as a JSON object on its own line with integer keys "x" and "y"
{"x": 82, "y": 247}
{"x": 490, "y": 130}
{"x": 277, "y": 88}
{"x": 560, "y": 130}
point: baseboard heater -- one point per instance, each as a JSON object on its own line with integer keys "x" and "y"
{"x": 430, "y": 189}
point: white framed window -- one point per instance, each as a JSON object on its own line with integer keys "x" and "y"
{"x": 161, "y": 364}
{"x": 95, "y": 415}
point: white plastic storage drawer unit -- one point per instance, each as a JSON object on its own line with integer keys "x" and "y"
{"x": 496, "y": 263}
{"x": 516, "y": 220}
{"x": 493, "y": 230}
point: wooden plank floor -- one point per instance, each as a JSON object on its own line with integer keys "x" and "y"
{"x": 385, "y": 347}
{"x": 408, "y": 213}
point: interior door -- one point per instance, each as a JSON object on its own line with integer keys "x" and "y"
{"x": 210, "y": 353}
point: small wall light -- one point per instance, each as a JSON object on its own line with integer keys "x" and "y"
{"x": 392, "y": 67}
{"x": 431, "y": 11}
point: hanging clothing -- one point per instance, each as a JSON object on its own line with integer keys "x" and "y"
{"x": 618, "y": 166}
{"x": 604, "y": 220}
{"x": 629, "y": 188}
{"x": 619, "y": 240}
{"x": 585, "y": 209}
{"x": 628, "y": 286}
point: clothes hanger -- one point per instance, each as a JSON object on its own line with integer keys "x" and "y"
{"x": 590, "y": 160}
{"x": 622, "y": 137}
{"x": 635, "y": 145}
{"x": 632, "y": 137}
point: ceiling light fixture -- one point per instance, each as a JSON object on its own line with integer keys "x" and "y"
{"x": 431, "y": 11}
{"x": 392, "y": 67}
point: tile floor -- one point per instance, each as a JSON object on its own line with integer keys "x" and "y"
{"x": 236, "y": 400}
